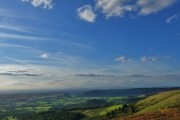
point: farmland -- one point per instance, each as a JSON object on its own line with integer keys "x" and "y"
{"x": 84, "y": 106}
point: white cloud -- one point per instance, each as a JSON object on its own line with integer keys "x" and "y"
{"x": 45, "y": 56}
{"x": 152, "y": 6}
{"x": 150, "y": 59}
{"x": 47, "y": 4}
{"x": 113, "y": 7}
{"x": 169, "y": 20}
{"x": 142, "y": 59}
{"x": 123, "y": 59}
{"x": 86, "y": 13}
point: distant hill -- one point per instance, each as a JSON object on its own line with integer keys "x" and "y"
{"x": 124, "y": 92}
{"x": 162, "y": 106}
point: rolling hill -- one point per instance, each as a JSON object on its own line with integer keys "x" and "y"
{"x": 162, "y": 106}
{"x": 160, "y": 101}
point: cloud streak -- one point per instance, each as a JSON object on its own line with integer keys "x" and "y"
{"x": 15, "y": 28}
{"x": 93, "y": 75}
{"x": 20, "y": 37}
{"x": 170, "y": 19}
{"x": 10, "y": 70}
{"x": 123, "y": 59}
{"x": 19, "y": 74}
{"x": 33, "y": 55}
{"x": 151, "y": 59}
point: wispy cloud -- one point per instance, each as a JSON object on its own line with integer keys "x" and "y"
{"x": 14, "y": 46}
{"x": 123, "y": 59}
{"x": 15, "y": 28}
{"x": 7, "y": 13}
{"x": 38, "y": 57}
{"x": 46, "y": 4}
{"x": 20, "y": 48}
{"x": 152, "y": 6}
{"x": 21, "y": 37}
{"x": 170, "y": 19}
{"x": 86, "y": 13}
{"x": 13, "y": 15}
{"x": 13, "y": 70}
{"x": 33, "y": 55}
{"x": 93, "y": 75}
{"x": 144, "y": 59}
{"x": 61, "y": 58}
{"x": 151, "y": 59}
{"x": 75, "y": 44}
{"x": 19, "y": 61}
{"x": 19, "y": 74}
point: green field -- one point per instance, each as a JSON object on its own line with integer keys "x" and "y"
{"x": 34, "y": 109}
{"x": 12, "y": 107}
{"x": 10, "y": 118}
{"x": 99, "y": 111}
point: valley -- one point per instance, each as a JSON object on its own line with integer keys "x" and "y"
{"x": 89, "y": 105}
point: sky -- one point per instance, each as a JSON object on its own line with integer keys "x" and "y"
{"x": 89, "y": 44}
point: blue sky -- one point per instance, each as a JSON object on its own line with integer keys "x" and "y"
{"x": 92, "y": 44}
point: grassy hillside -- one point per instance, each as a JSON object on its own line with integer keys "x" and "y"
{"x": 100, "y": 111}
{"x": 160, "y": 101}
{"x": 163, "y": 106}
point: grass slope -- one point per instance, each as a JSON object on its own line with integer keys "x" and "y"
{"x": 162, "y": 106}
{"x": 160, "y": 101}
